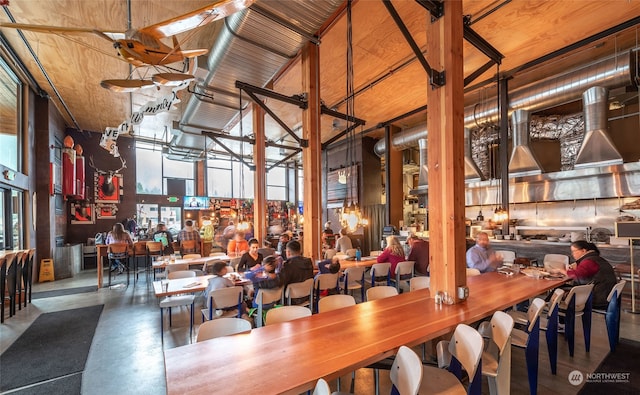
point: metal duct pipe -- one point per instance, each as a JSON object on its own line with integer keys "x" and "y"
{"x": 611, "y": 72}
{"x": 522, "y": 162}
{"x": 597, "y": 149}
{"x": 407, "y": 138}
{"x": 423, "y": 176}
{"x": 471, "y": 171}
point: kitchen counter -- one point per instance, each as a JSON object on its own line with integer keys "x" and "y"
{"x": 539, "y": 248}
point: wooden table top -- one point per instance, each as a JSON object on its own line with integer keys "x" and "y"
{"x": 337, "y": 342}
{"x": 367, "y": 261}
{"x": 193, "y": 261}
{"x": 188, "y": 285}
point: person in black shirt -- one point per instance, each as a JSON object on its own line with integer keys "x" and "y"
{"x": 250, "y": 259}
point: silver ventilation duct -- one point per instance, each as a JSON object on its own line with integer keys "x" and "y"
{"x": 597, "y": 148}
{"x": 471, "y": 171}
{"x": 522, "y": 162}
{"x": 611, "y": 72}
{"x": 407, "y": 138}
{"x": 423, "y": 176}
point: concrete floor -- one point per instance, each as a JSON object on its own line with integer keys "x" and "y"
{"x": 126, "y": 356}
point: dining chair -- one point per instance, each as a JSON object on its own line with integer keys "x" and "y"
{"x": 329, "y": 253}
{"x": 217, "y": 253}
{"x": 286, "y": 313}
{"x": 375, "y": 253}
{"x": 154, "y": 250}
{"x": 463, "y": 351}
{"x": 406, "y": 372}
{"x": 354, "y": 279}
{"x": 508, "y": 257}
{"x": 577, "y": 303}
{"x": 325, "y": 282}
{"x": 555, "y": 261}
{"x": 139, "y": 251}
{"x": 19, "y": 267}
{"x": 177, "y": 267}
{"x": 266, "y": 251}
{"x": 334, "y": 302}
{"x": 549, "y": 324}
{"x": 420, "y": 282}
{"x": 188, "y": 246}
{"x": 222, "y": 327}
{"x": 380, "y": 274}
{"x": 351, "y": 252}
{"x": 300, "y": 290}
{"x": 177, "y": 301}
{"x": 3, "y": 283}
{"x": 118, "y": 251}
{"x": 529, "y": 340}
{"x": 28, "y": 274}
{"x": 227, "y": 301}
{"x": 496, "y": 359}
{"x": 612, "y": 314}
{"x": 404, "y": 273}
{"x": 266, "y": 299}
{"x": 322, "y": 388}
{"x": 472, "y": 272}
{"x": 380, "y": 292}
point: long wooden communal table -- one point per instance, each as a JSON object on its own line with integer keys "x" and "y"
{"x": 334, "y": 343}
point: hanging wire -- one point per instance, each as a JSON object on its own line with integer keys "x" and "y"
{"x": 241, "y": 216}
{"x": 350, "y": 102}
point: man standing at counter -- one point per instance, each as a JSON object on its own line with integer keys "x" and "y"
{"x": 481, "y": 256}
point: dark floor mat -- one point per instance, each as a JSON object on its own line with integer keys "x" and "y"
{"x": 62, "y": 292}
{"x": 618, "y": 373}
{"x": 55, "y": 345}
{"x": 67, "y": 385}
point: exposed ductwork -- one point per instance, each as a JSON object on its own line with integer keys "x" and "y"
{"x": 611, "y": 72}
{"x": 423, "y": 176}
{"x": 522, "y": 162}
{"x": 407, "y": 138}
{"x": 252, "y": 46}
{"x": 471, "y": 171}
{"x": 597, "y": 149}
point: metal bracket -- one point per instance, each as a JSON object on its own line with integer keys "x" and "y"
{"x": 229, "y": 150}
{"x": 299, "y": 100}
{"x": 436, "y": 78}
{"x": 435, "y": 8}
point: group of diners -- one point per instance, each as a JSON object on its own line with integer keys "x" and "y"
{"x": 589, "y": 267}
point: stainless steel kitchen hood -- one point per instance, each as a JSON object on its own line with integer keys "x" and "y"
{"x": 523, "y": 161}
{"x": 597, "y": 148}
{"x": 471, "y": 171}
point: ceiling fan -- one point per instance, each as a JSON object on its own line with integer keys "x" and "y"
{"x": 143, "y": 48}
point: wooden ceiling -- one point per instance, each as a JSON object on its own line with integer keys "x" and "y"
{"x": 388, "y": 78}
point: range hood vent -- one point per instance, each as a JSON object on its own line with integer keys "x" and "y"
{"x": 597, "y": 147}
{"x": 423, "y": 176}
{"x": 471, "y": 171}
{"x": 522, "y": 162}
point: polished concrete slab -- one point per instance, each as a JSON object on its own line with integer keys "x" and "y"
{"x": 126, "y": 356}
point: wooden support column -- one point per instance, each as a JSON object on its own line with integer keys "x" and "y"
{"x": 394, "y": 191}
{"x": 446, "y": 152}
{"x": 201, "y": 181}
{"x": 260, "y": 176}
{"x": 311, "y": 155}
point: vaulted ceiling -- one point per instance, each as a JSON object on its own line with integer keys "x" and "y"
{"x": 389, "y": 80}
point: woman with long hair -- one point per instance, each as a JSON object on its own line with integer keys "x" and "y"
{"x": 393, "y": 253}
{"x": 118, "y": 235}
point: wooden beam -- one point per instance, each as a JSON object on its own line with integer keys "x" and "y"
{"x": 260, "y": 176}
{"x": 446, "y": 153}
{"x": 311, "y": 155}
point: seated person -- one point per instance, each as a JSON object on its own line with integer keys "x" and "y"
{"x": 218, "y": 281}
{"x": 393, "y": 253}
{"x": 329, "y": 265}
{"x": 250, "y": 259}
{"x": 163, "y": 235}
{"x": 263, "y": 277}
{"x": 296, "y": 268}
{"x": 344, "y": 242}
{"x": 481, "y": 255}
{"x": 238, "y": 245}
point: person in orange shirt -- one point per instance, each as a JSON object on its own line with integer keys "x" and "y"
{"x": 238, "y": 245}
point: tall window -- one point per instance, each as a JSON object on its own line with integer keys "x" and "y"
{"x": 10, "y": 125}
{"x": 242, "y": 172}
{"x": 153, "y": 169}
{"x": 219, "y": 178}
{"x": 276, "y": 184}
